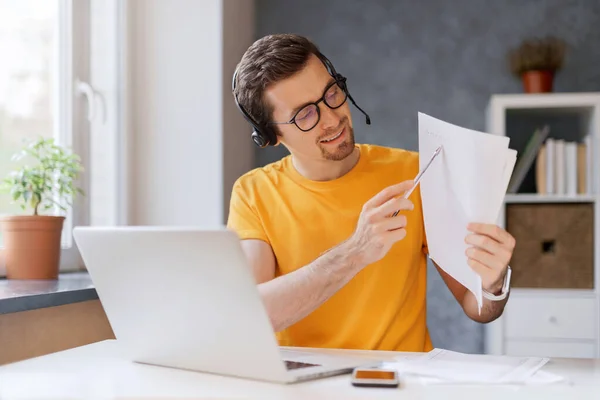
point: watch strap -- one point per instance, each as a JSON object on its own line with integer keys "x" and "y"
{"x": 505, "y": 288}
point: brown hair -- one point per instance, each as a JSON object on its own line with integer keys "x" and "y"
{"x": 267, "y": 61}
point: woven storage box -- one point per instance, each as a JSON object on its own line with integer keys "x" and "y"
{"x": 554, "y": 245}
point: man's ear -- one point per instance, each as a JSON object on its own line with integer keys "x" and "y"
{"x": 277, "y": 136}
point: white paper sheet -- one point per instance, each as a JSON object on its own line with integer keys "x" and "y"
{"x": 441, "y": 366}
{"x": 465, "y": 183}
{"x": 540, "y": 378}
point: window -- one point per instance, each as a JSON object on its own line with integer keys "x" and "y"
{"x": 60, "y": 77}
{"x": 27, "y": 78}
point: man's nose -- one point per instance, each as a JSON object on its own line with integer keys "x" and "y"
{"x": 329, "y": 118}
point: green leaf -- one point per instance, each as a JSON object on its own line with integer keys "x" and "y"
{"x": 16, "y": 194}
{"x": 48, "y": 176}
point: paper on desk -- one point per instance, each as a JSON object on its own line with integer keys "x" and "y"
{"x": 444, "y": 366}
{"x": 539, "y": 378}
{"x": 465, "y": 183}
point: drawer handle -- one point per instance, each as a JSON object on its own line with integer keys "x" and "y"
{"x": 552, "y": 319}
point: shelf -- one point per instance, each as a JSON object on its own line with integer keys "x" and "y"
{"x": 549, "y": 198}
{"x": 556, "y": 274}
{"x": 556, "y": 101}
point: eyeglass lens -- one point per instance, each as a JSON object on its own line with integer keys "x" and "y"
{"x": 309, "y": 116}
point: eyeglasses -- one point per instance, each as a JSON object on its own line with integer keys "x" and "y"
{"x": 308, "y": 116}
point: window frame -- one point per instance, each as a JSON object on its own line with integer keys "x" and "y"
{"x": 72, "y": 128}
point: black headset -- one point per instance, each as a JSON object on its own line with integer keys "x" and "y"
{"x": 264, "y": 136}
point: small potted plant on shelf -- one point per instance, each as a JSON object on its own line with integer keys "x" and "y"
{"x": 44, "y": 186}
{"x": 536, "y": 61}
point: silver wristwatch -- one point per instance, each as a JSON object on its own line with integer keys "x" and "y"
{"x": 505, "y": 288}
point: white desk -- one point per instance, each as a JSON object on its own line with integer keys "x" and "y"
{"x": 99, "y": 371}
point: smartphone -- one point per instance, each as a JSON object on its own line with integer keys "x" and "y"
{"x": 375, "y": 377}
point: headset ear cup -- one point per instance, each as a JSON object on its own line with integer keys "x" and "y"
{"x": 256, "y": 136}
{"x": 259, "y": 140}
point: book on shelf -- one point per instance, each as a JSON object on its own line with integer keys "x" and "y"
{"x": 526, "y": 160}
{"x": 563, "y": 167}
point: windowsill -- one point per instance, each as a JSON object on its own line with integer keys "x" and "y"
{"x": 23, "y": 295}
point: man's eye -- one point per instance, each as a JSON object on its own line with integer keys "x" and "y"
{"x": 305, "y": 113}
{"x": 333, "y": 92}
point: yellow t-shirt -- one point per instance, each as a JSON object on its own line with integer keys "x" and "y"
{"x": 384, "y": 306}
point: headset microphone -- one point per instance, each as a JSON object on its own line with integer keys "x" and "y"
{"x": 368, "y": 119}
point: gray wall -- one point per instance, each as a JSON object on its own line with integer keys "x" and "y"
{"x": 444, "y": 58}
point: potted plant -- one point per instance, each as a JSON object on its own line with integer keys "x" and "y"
{"x": 536, "y": 61}
{"x": 44, "y": 186}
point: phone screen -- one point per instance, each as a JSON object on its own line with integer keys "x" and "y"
{"x": 375, "y": 374}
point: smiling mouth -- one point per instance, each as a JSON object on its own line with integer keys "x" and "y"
{"x": 333, "y": 137}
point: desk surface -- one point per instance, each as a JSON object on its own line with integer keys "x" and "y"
{"x": 100, "y": 371}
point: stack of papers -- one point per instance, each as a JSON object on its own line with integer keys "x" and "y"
{"x": 465, "y": 183}
{"x": 443, "y": 366}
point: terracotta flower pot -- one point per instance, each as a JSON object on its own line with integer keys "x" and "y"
{"x": 537, "y": 81}
{"x": 32, "y": 246}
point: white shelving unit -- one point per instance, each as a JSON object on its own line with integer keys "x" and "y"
{"x": 540, "y": 321}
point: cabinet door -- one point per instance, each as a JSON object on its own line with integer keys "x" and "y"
{"x": 547, "y": 317}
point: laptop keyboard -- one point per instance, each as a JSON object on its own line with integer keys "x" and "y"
{"x": 296, "y": 365}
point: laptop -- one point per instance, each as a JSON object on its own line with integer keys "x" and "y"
{"x": 186, "y": 298}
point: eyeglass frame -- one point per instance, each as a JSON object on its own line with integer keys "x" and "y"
{"x": 340, "y": 82}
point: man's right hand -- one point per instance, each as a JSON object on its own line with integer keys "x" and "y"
{"x": 376, "y": 231}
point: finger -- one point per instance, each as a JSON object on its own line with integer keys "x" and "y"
{"x": 488, "y": 276}
{"x": 493, "y": 231}
{"x": 392, "y": 206}
{"x": 388, "y": 193}
{"x": 485, "y": 258}
{"x": 484, "y": 242}
{"x": 389, "y": 224}
{"x": 484, "y": 272}
{"x": 395, "y": 235}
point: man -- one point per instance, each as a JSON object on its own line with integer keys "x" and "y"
{"x": 333, "y": 267}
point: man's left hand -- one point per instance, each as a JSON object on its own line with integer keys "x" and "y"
{"x": 491, "y": 251}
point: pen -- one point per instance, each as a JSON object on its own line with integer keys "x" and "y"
{"x": 419, "y": 176}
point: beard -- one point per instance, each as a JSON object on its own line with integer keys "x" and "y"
{"x": 342, "y": 150}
